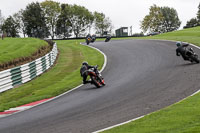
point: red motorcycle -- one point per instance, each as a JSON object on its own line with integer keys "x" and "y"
{"x": 96, "y": 77}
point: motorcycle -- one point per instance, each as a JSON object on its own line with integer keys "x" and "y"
{"x": 192, "y": 56}
{"x": 88, "y": 40}
{"x": 108, "y": 38}
{"x": 93, "y": 38}
{"x": 96, "y": 77}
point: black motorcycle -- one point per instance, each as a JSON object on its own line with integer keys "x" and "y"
{"x": 192, "y": 56}
{"x": 108, "y": 38}
{"x": 88, "y": 40}
{"x": 96, "y": 77}
{"x": 93, "y": 38}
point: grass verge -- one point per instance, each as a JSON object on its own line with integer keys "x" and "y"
{"x": 182, "y": 117}
{"x": 191, "y": 35}
{"x": 13, "y": 48}
{"x": 64, "y": 76}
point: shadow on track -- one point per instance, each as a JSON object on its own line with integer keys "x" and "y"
{"x": 91, "y": 88}
{"x": 186, "y": 65}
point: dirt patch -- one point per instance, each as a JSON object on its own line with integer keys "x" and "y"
{"x": 23, "y": 60}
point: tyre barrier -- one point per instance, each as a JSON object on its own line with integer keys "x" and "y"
{"x": 24, "y": 73}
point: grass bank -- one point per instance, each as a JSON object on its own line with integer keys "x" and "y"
{"x": 191, "y": 35}
{"x": 17, "y": 51}
{"x": 182, "y": 117}
{"x": 12, "y": 48}
{"x": 64, "y": 76}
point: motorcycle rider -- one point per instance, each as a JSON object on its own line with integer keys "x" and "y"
{"x": 88, "y": 39}
{"x": 84, "y": 73}
{"x": 181, "y": 50}
{"x": 89, "y": 36}
{"x": 108, "y": 37}
{"x": 93, "y": 38}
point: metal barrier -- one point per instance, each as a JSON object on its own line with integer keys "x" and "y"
{"x": 24, "y": 73}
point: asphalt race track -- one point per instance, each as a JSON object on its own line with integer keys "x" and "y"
{"x": 142, "y": 76}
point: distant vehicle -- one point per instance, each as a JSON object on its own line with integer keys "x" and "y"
{"x": 88, "y": 39}
{"x": 93, "y": 38}
{"x": 153, "y": 33}
{"x": 108, "y": 37}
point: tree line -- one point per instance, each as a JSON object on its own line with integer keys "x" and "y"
{"x": 165, "y": 19}
{"x": 54, "y": 19}
{"x": 61, "y": 20}
{"x": 161, "y": 20}
{"x": 193, "y": 22}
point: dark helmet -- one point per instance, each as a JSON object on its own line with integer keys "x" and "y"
{"x": 85, "y": 63}
{"x": 178, "y": 44}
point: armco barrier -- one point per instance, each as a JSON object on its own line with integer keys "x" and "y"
{"x": 24, "y": 73}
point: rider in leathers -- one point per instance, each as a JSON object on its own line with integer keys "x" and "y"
{"x": 89, "y": 36}
{"x": 181, "y": 50}
{"x": 84, "y": 73}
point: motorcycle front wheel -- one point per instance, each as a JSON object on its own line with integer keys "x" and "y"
{"x": 95, "y": 82}
{"x": 195, "y": 58}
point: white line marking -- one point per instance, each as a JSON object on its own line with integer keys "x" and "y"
{"x": 1, "y": 116}
{"x": 19, "y": 108}
{"x": 117, "y": 125}
{"x": 105, "y": 57}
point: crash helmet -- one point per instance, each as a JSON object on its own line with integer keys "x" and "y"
{"x": 85, "y": 63}
{"x": 178, "y": 44}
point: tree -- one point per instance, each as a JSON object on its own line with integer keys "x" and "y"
{"x": 11, "y": 27}
{"x": 153, "y": 21}
{"x": 80, "y": 19}
{"x": 160, "y": 19}
{"x": 194, "y": 21}
{"x": 34, "y": 20}
{"x": 171, "y": 20}
{"x": 198, "y": 14}
{"x": 1, "y": 20}
{"x": 63, "y": 25}
{"x": 52, "y": 11}
{"x": 18, "y": 17}
{"x": 102, "y": 23}
{"x": 191, "y": 23}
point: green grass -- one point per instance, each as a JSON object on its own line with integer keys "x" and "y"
{"x": 191, "y": 35}
{"x": 183, "y": 117}
{"x": 13, "y": 48}
{"x": 64, "y": 76}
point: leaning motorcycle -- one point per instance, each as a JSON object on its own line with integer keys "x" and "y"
{"x": 93, "y": 38}
{"x": 192, "y": 56}
{"x": 88, "y": 40}
{"x": 107, "y": 38}
{"x": 96, "y": 77}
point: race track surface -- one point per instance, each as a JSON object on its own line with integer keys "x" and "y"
{"x": 142, "y": 76}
